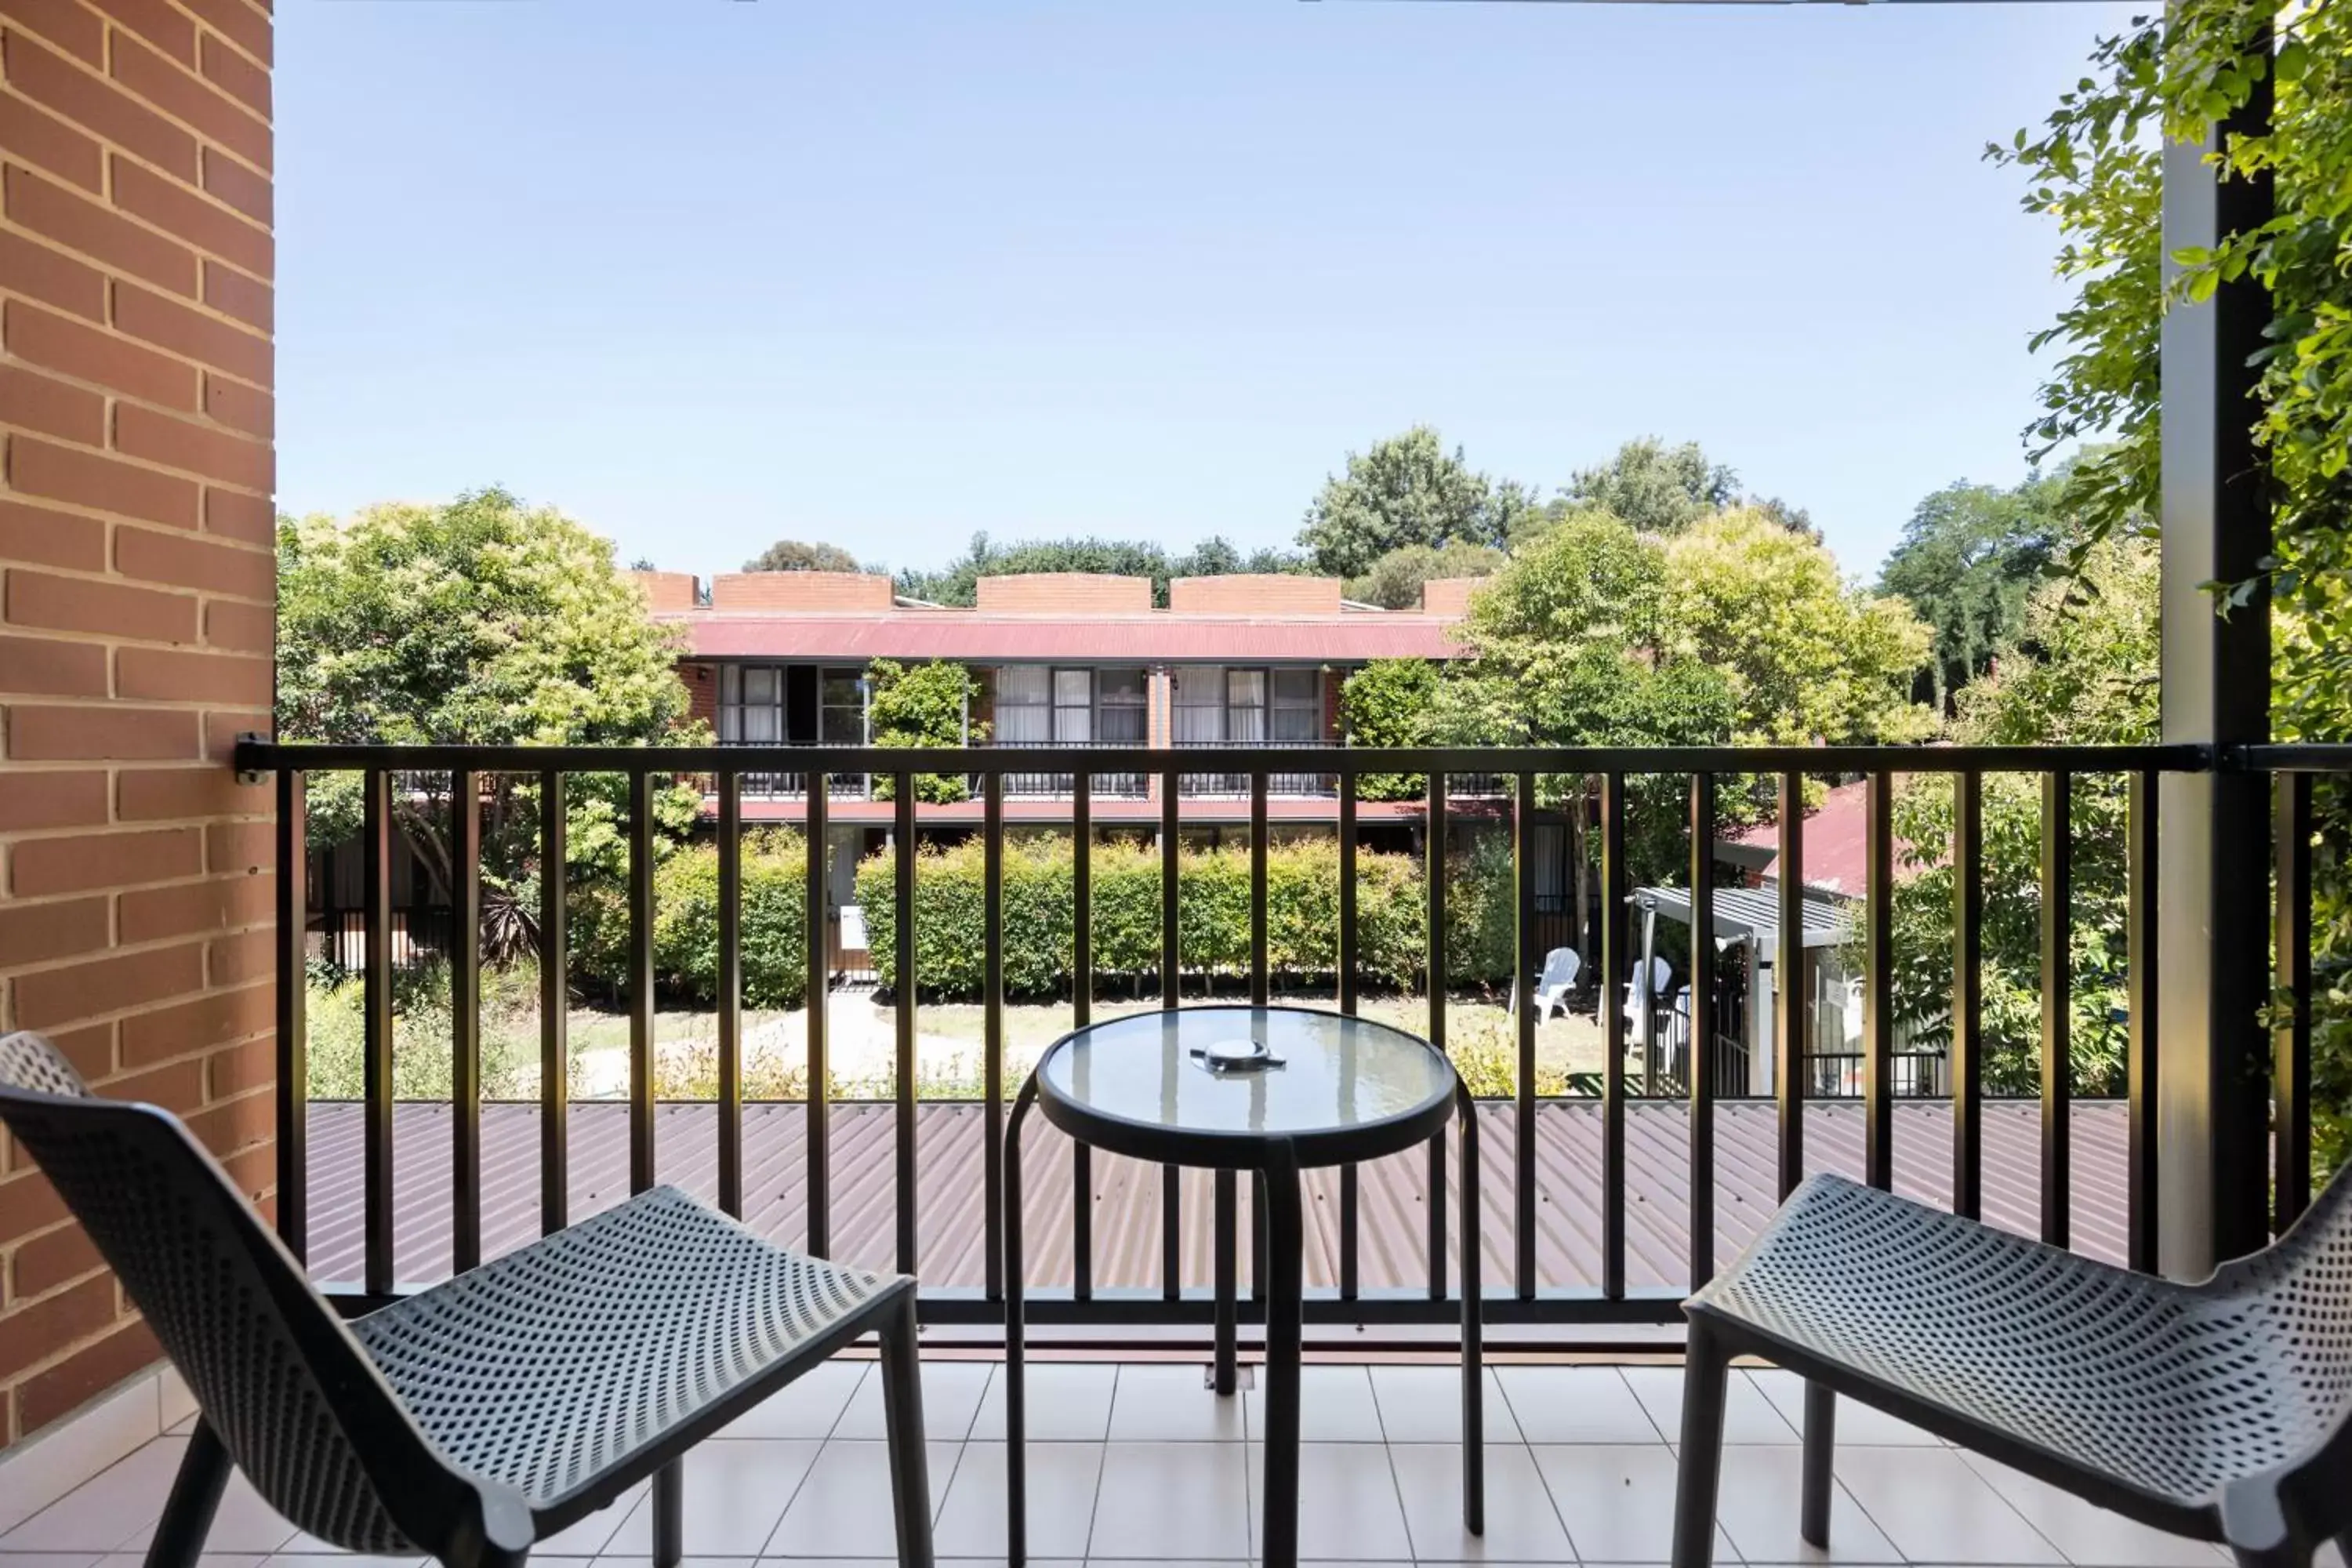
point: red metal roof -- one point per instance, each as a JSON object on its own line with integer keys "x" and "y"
{"x": 965, "y": 634}
{"x": 1836, "y": 842}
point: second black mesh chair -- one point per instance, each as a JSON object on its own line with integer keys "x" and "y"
{"x": 2219, "y": 1410}
{"x": 470, "y": 1421}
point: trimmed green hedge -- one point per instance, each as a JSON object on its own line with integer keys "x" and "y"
{"x": 1213, "y": 905}
{"x": 685, "y": 924}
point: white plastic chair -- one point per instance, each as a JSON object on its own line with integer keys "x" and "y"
{"x": 1561, "y": 968}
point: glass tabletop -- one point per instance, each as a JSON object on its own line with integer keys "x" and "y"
{"x": 1336, "y": 1074}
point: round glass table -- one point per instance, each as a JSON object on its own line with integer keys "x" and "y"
{"x": 1271, "y": 1091}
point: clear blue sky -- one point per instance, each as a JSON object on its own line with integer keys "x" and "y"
{"x": 705, "y": 275}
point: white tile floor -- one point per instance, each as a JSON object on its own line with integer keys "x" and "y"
{"x": 1143, "y": 1463}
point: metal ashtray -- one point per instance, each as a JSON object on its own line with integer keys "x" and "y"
{"x": 1235, "y": 1056}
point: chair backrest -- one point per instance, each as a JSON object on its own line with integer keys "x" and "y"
{"x": 2290, "y": 1305}
{"x": 296, "y": 1401}
{"x": 1560, "y": 965}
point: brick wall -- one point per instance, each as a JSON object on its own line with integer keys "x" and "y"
{"x": 136, "y": 581}
{"x": 1064, "y": 593}
{"x": 1449, "y": 595}
{"x": 1254, "y": 593}
{"x": 701, "y": 682}
{"x": 801, "y": 591}
{"x": 669, "y": 590}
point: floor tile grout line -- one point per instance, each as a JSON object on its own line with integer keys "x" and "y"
{"x": 2063, "y": 1555}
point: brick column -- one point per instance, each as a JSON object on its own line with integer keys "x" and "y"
{"x": 136, "y": 549}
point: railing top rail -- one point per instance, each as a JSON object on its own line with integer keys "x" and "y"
{"x": 2293, "y": 758}
{"x": 258, "y": 756}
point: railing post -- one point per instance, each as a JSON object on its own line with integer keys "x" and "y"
{"x": 1527, "y": 966}
{"x": 554, "y": 1011}
{"x": 641, "y": 980}
{"x": 2212, "y": 926}
{"x": 293, "y": 912}
{"x": 1878, "y": 994}
{"x": 731, "y": 993}
{"x": 466, "y": 1019}
{"x": 1788, "y": 983}
{"x": 1968, "y": 995}
{"x": 818, "y": 1143}
{"x": 2057, "y": 1005}
{"x": 1613, "y": 973}
{"x": 376, "y": 1033}
{"x": 903, "y": 1014}
{"x": 1698, "y": 1067}
{"x": 2290, "y": 1041}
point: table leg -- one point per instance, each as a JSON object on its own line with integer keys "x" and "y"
{"x": 1284, "y": 1292}
{"x": 1228, "y": 1329}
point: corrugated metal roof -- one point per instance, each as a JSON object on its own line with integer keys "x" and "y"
{"x": 1751, "y": 912}
{"x": 1126, "y": 1198}
{"x": 1159, "y": 637}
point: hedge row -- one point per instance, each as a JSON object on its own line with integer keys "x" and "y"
{"x": 1213, "y": 914}
{"x": 1213, "y": 911}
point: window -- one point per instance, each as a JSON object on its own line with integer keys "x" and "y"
{"x": 1246, "y": 705}
{"x": 1199, "y": 707}
{"x": 843, "y": 721}
{"x": 751, "y": 704}
{"x": 1024, "y": 705}
{"x": 1297, "y": 707}
{"x": 1074, "y": 706}
{"x": 1123, "y": 707}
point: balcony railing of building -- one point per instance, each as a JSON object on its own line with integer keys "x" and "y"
{"x": 1544, "y": 1154}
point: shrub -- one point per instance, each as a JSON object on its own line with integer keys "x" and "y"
{"x": 1213, "y": 914}
{"x": 421, "y": 1021}
{"x": 685, "y": 925}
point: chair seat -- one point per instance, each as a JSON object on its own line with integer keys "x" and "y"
{"x": 2156, "y": 1395}
{"x": 570, "y": 1368}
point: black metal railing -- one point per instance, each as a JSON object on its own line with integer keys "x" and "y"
{"x": 1059, "y": 787}
{"x": 1877, "y": 1079}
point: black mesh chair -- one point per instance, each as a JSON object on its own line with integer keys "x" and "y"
{"x": 2217, "y": 1410}
{"x": 477, "y": 1418}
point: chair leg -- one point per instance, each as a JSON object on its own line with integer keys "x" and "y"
{"x": 1706, "y": 1376}
{"x": 902, "y": 1413}
{"x": 669, "y": 1514}
{"x": 196, "y": 1494}
{"x": 1821, "y": 1451}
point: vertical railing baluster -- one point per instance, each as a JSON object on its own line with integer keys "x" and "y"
{"x": 1527, "y": 969}
{"x": 1699, "y": 1064}
{"x": 376, "y": 1033}
{"x": 2290, "y": 1041}
{"x": 1878, "y": 986}
{"x": 554, "y": 1010}
{"x": 1082, "y": 1012}
{"x": 1172, "y": 1252}
{"x": 1789, "y": 989}
{"x": 293, "y": 1042}
{"x": 1434, "y": 873}
{"x": 992, "y": 1030}
{"x": 465, "y": 1020}
{"x": 1261, "y": 978}
{"x": 903, "y": 937}
{"x": 2140, "y": 1066}
{"x": 1968, "y": 995}
{"x": 2057, "y": 1003}
{"x": 1349, "y": 1263}
{"x": 641, "y": 980}
{"x": 1613, "y": 971}
{"x": 731, "y": 993}
{"x": 817, "y": 1153}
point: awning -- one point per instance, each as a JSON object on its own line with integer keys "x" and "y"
{"x": 1743, "y": 914}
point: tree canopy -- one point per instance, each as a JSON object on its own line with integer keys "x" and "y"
{"x": 483, "y": 621}
{"x": 918, "y": 705}
{"x": 801, "y": 555}
{"x": 1395, "y": 580}
{"x": 1968, "y": 560}
{"x": 1406, "y": 490}
{"x": 958, "y": 583}
{"x": 1656, "y": 487}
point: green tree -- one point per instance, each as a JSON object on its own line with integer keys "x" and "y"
{"x": 801, "y": 555}
{"x": 1810, "y": 660}
{"x": 1968, "y": 560}
{"x": 920, "y": 705}
{"x": 1656, "y": 487}
{"x": 2079, "y": 671}
{"x": 483, "y": 621}
{"x": 1395, "y": 580}
{"x": 1406, "y": 490}
{"x": 1387, "y": 702}
{"x": 2095, "y": 166}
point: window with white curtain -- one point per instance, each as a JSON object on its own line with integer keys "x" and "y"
{"x": 1122, "y": 707}
{"x": 1074, "y": 706}
{"x": 751, "y": 703}
{"x": 1246, "y": 705}
{"x": 1297, "y": 708}
{"x": 1024, "y": 705}
{"x": 1198, "y": 707}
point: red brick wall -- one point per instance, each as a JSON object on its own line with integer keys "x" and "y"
{"x": 1064, "y": 593}
{"x": 136, "y": 581}
{"x": 701, "y": 682}
{"x": 1449, "y": 595}
{"x": 801, "y": 591}
{"x": 668, "y": 590}
{"x": 1254, "y": 593}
